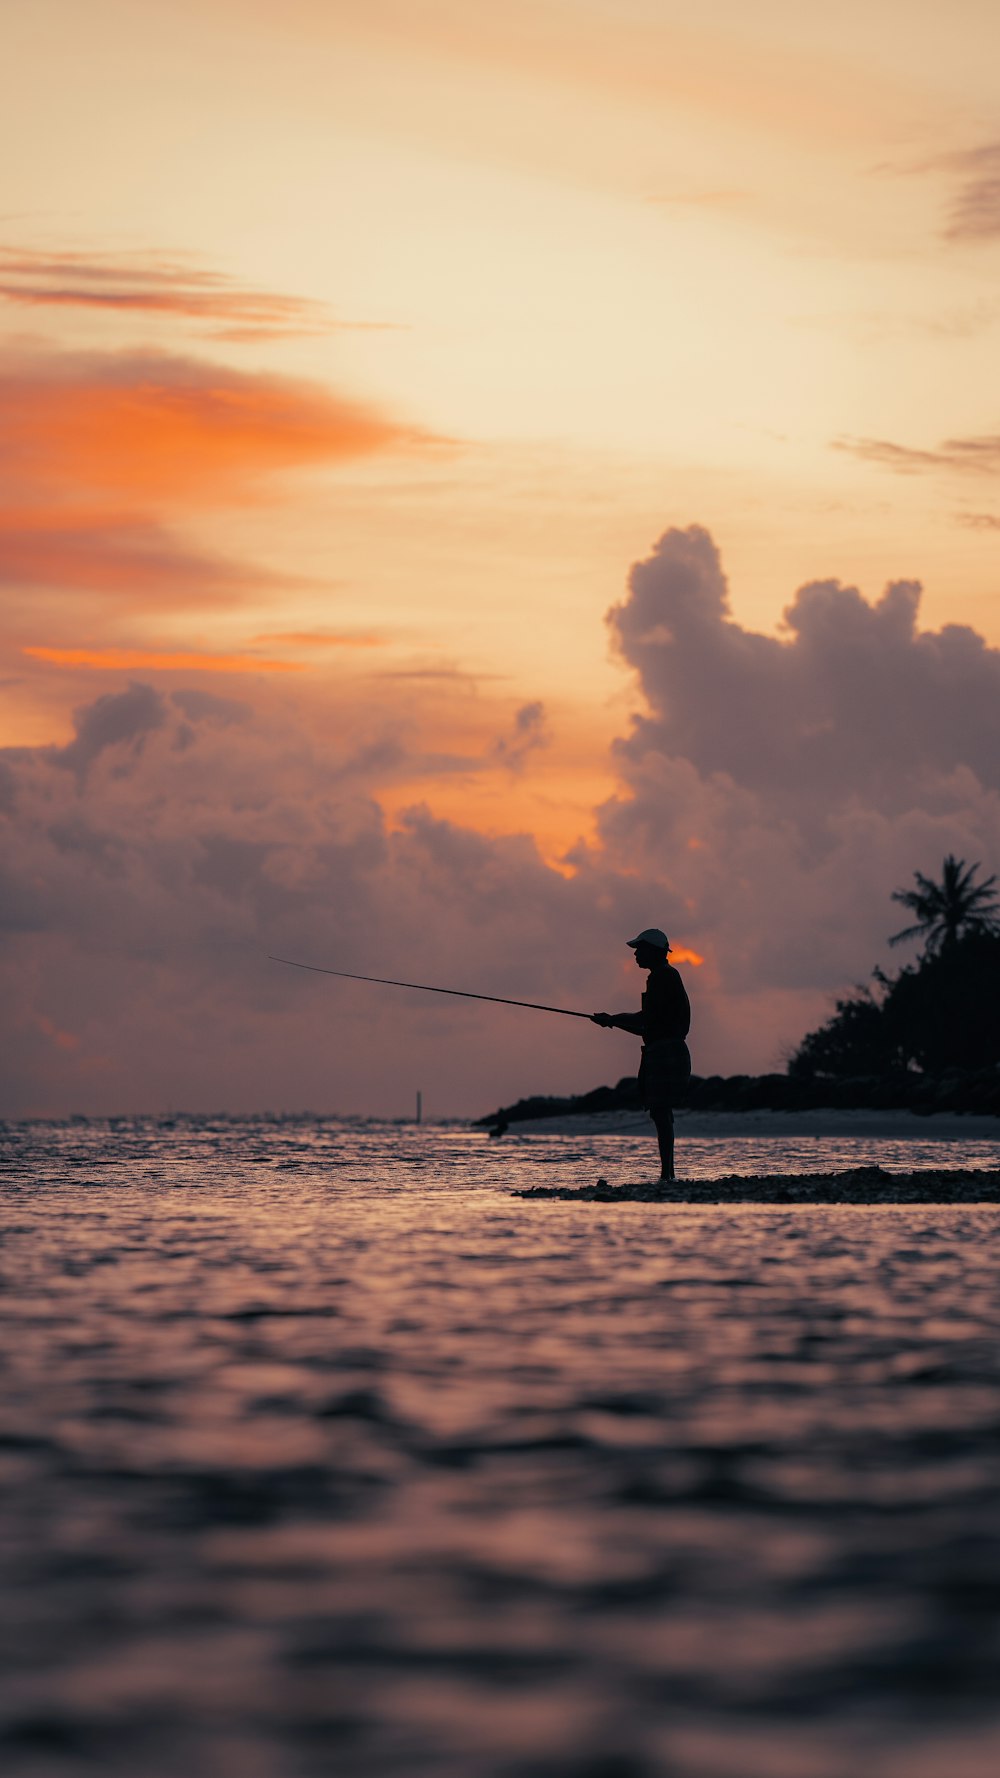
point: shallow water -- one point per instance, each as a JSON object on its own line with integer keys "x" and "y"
{"x": 322, "y": 1454}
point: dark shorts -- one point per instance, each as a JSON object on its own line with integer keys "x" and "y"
{"x": 664, "y": 1072}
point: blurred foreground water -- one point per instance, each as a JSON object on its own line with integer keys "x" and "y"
{"x": 322, "y": 1454}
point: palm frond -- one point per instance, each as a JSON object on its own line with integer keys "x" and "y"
{"x": 946, "y": 910}
{"x": 908, "y": 932}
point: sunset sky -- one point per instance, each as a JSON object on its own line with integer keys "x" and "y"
{"x": 357, "y": 361}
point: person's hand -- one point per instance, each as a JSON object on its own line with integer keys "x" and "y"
{"x": 603, "y": 1018}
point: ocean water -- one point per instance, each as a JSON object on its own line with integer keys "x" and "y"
{"x": 322, "y": 1454}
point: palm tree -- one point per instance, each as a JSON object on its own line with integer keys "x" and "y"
{"x": 952, "y": 909}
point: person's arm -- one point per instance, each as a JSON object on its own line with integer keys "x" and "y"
{"x": 619, "y": 1021}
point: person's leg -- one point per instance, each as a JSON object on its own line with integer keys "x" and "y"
{"x": 663, "y": 1118}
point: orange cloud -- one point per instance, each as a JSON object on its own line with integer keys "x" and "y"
{"x": 157, "y": 428}
{"x": 129, "y": 660}
{"x": 118, "y": 554}
{"x": 681, "y": 954}
{"x": 99, "y": 450}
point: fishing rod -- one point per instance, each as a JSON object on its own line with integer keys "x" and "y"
{"x": 388, "y": 982}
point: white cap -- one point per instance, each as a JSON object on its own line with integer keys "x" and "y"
{"x": 651, "y": 936}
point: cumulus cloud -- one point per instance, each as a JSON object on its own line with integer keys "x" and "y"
{"x": 853, "y": 703}
{"x": 118, "y": 718}
{"x": 783, "y": 786}
{"x": 141, "y": 890}
{"x": 208, "y": 706}
{"x": 530, "y": 733}
{"x": 773, "y": 791}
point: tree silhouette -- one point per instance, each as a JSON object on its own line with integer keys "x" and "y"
{"x": 939, "y": 1016}
{"x": 955, "y": 908}
{"x": 855, "y": 1040}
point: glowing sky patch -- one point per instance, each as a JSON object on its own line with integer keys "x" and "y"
{"x": 134, "y": 660}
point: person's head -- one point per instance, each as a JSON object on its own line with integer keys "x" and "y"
{"x": 650, "y": 947}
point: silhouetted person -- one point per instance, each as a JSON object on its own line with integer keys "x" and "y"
{"x": 663, "y": 1025}
{"x": 501, "y": 1126}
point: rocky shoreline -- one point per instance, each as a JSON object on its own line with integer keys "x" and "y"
{"x": 959, "y": 1092}
{"x": 858, "y": 1185}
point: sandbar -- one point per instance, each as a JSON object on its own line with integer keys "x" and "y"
{"x": 857, "y": 1185}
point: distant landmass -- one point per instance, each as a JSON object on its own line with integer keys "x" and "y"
{"x": 956, "y": 1090}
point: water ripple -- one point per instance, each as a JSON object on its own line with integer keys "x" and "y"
{"x": 320, "y": 1454}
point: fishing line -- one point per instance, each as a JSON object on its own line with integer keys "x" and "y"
{"x": 386, "y": 981}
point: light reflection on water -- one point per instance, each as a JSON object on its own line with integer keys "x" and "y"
{"x": 391, "y": 1157}
{"x": 322, "y": 1454}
